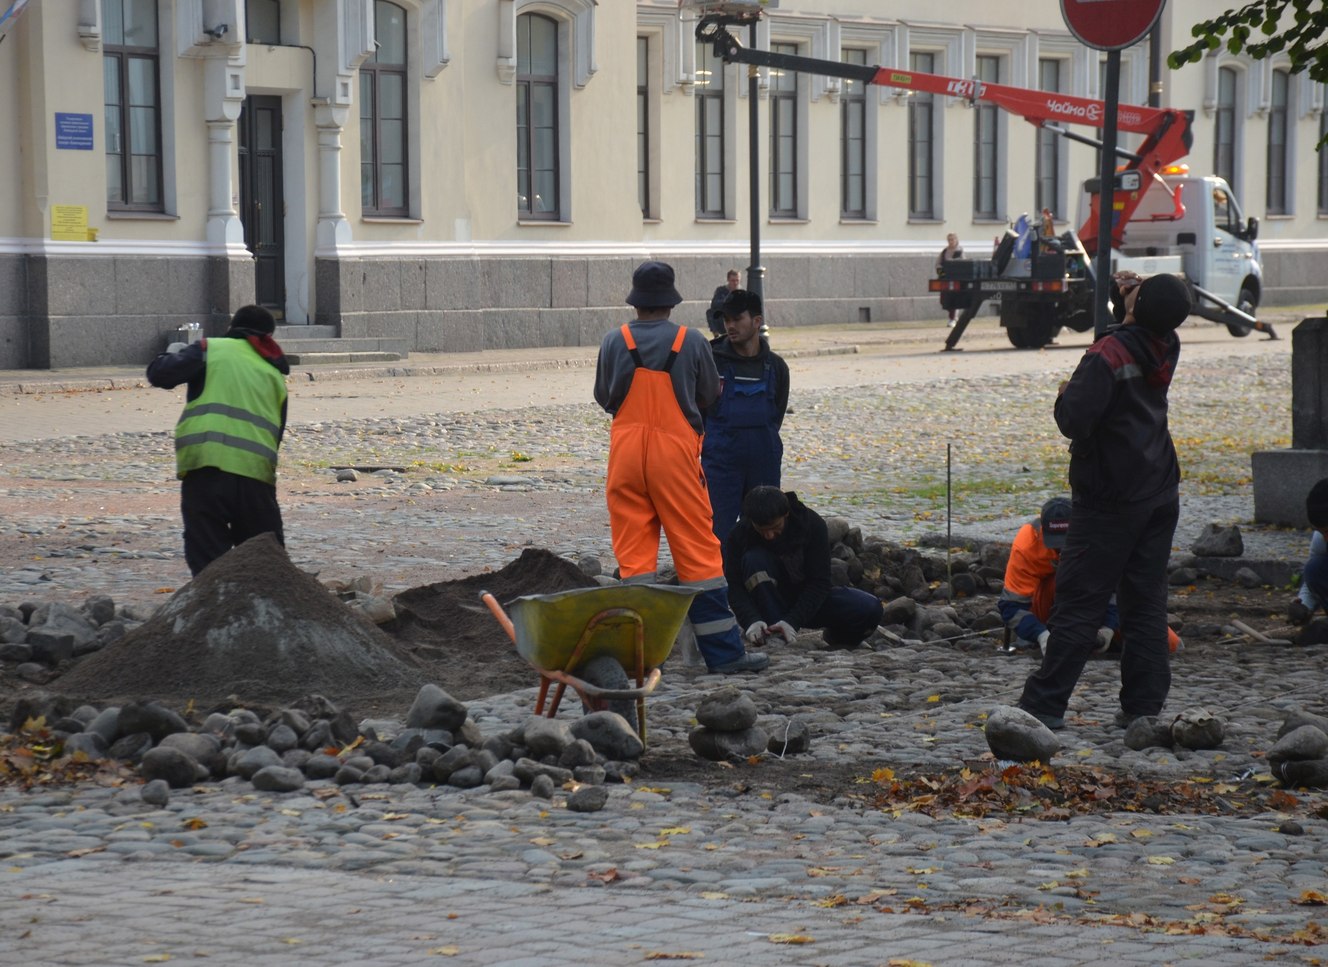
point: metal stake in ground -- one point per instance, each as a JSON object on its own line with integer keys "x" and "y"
{"x": 948, "y": 540}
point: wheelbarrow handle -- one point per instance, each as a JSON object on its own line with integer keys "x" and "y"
{"x": 492, "y": 604}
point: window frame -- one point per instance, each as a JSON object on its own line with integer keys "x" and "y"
{"x": 922, "y": 153}
{"x": 1226, "y": 116}
{"x": 526, "y": 84}
{"x": 987, "y": 116}
{"x": 249, "y": 20}
{"x": 853, "y": 98}
{"x": 644, "y": 195}
{"x": 1277, "y": 193}
{"x": 783, "y": 123}
{"x": 372, "y": 71}
{"x": 710, "y": 101}
{"x": 1049, "y": 153}
{"x": 122, "y": 55}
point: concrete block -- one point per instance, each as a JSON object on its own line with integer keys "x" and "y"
{"x": 1309, "y": 385}
{"x": 1282, "y": 478}
{"x": 463, "y": 332}
{"x": 138, "y": 282}
{"x": 188, "y": 282}
{"x": 230, "y": 285}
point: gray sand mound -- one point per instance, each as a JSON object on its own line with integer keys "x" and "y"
{"x": 252, "y": 625}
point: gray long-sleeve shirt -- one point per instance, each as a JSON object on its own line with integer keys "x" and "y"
{"x": 695, "y": 379}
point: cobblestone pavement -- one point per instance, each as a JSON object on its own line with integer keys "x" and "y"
{"x": 775, "y": 862}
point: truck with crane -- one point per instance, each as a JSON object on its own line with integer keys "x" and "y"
{"x": 1163, "y": 218}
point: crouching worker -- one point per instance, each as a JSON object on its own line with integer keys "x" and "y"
{"x": 777, "y": 562}
{"x": 1313, "y": 594}
{"x": 1030, "y": 580}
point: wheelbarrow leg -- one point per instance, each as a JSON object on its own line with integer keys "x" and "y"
{"x": 557, "y": 699}
{"x": 543, "y": 692}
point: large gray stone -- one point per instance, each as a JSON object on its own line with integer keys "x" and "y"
{"x": 1310, "y": 773}
{"x": 588, "y": 799}
{"x": 527, "y": 770}
{"x": 199, "y": 746}
{"x": 156, "y": 720}
{"x": 172, "y": 766}
{"x": 90, "y": 744}
{"x": 1298, "y": 717}
{"x": 433, "y": 708}
{"x": 278, "y": 779}
{"x": 1017, "y": 735}
{"x": 1219, "y": 540}
{"x": 1197, "y": 728}
{"x": 1148, "y": 732}
{"x": 250, "y": 761}
{"x": 1306, "y": 742}
{"x": 543, "y": 736}
{"x": 723, "y": 746}
{"x": 791, "y": 737}
{"x": 727, "y": 710}
{"x": 609, "y": 734}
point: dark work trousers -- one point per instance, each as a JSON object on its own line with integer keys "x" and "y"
{"x": 847, "y": 615}
{"x": 1125, "y": 552}
{"x": 222, "y": 510}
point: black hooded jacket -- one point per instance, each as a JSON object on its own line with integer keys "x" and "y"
{"x": 803, "y": 550}
{"x": 1114, "y": 411}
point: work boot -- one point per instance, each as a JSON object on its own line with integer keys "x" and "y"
{"x": 1053, "y": 722}
{"x": 1298, "y": 613}
{"x": 750, "y": 662}
{"x": 1124, "y": 719}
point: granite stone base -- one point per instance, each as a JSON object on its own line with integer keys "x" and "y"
{"x": 1282, "y": 478}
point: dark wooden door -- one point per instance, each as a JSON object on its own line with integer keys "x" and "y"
{"x": 262, "y": 205}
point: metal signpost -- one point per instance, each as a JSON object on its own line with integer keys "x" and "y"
{"x": 1109, "y": 25}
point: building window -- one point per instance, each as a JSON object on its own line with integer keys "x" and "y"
{"x": 262, "y": 21}
{"x": 1048, "y": 159}
{"x": 643, "y": 124}
{"x": 709, "y": 133}
{"x": 1278, "y": 201}
{"x": 537, "y": 175}
{"x": 784, "y": 137}
{"x": 1323, "y": 164}
{"x": 921, "y": 142}
{"x": 986, "y": 144}
{"x": 853, "y": 142}
{"x": 1224, "y": 134}
{"x": 130, "y": 73}
{"x": 383, "y": 146}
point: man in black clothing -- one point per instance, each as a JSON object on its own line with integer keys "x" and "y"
{"x": 777, "y": 563}
{"x": 715, "y": 314}
{"x": 742, "y": 448}
{"x": 1124, "y": 479}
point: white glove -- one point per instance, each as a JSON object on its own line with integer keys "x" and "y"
{"x": 1104, "y": 637}
{"x": 1043, "y": 637}
{"x": 756, "y": 632}
{"x": 176, "y": 347}
{"x": 784, "y": 630}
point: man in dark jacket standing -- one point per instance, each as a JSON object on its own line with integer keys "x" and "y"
{"x": 777, "y": 562}
{"x": 1124, "y": 479}
{"x": 742, "y": 448}
{"x": 226, "y": 439}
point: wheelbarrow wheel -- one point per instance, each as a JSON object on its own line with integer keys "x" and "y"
{"x": 605, "y": 672}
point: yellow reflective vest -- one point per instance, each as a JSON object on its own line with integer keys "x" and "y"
{"x": 235, "y": 423}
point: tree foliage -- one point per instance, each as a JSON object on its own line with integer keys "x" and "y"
{"x": 1262, "y": 29}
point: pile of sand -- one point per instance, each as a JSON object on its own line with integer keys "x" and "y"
{"x": 252, "y": 625}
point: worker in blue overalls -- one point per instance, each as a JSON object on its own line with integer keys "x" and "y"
{"x": 742, "y": 448}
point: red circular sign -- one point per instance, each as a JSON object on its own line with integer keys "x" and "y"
{"x": 1110, "y": 24}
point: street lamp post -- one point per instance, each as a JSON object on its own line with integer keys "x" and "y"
{"x": 755, "y": 271}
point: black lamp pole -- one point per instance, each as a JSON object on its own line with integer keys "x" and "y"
{"x": 755, "y": 271}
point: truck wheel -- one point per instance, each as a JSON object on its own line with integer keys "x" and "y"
{"x": 605, "y": 672}
{"x": 1018, "y": 336}
{"x": 1247, "y": 303}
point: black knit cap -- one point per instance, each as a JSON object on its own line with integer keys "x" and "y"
{"x": 1162, "y": 304}
{"x": 1316, "y": 505}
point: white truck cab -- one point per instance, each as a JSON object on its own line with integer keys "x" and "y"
{"x": 1210, "y": 241}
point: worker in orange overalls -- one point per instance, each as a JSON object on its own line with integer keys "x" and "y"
{"x": 1030, "y": 582}
{"x": 656, "y": 377}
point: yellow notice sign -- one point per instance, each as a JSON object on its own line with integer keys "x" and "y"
{"x": 69, "y": 223}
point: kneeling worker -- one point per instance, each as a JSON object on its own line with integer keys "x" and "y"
{"x": 777, "y": 562}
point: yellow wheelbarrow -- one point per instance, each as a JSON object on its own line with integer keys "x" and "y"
{"x": 593, "y": 639}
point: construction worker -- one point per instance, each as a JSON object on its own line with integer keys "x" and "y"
{"x": 1125, "y": 479}
{"x": 655, "y": 377}
{"x": 226, "y": 439}
{"x": 742, "y": 448}
{"x": 1313, "y": 594}
{"x": 777, "y": 561}
{"x": 1030, "y": 580}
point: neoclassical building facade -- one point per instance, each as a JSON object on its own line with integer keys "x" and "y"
{"x": 475, "y": 174}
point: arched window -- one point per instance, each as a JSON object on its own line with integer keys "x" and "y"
{"x": 131, "y": 80}
{"x": 537, "y": 96}
{"x": 383, "y": 106}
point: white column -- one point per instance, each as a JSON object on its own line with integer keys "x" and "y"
{"x": 333, "y": 229}
{"x": 223, "y": 97}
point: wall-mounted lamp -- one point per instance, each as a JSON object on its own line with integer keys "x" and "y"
{"x": 217, "y": 32}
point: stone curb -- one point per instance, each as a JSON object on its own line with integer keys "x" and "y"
{"x": 37, "y": 385}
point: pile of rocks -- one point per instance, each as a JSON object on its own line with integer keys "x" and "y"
{"x": 36, "y": 638}
{"x": 1300, "y": 757}
{"x": 312, "y": 740}
{"x": 726, "y": 726}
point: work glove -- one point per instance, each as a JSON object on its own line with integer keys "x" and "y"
{"x": 177, "y": 347}
{"x": 1104, "y": 636}
{"x": 783, "y": 630}
{"x": 756, "y": 632}
{"x": 1043, "y": 636}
